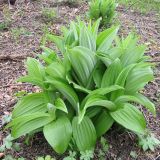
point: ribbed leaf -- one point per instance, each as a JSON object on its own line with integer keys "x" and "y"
{"x": 59, "y": 103}
{"x": 106, "y": 90}
{"x": 95, "y": 100}
{"x": 31, "y": 103}
{"x": 138, "y": 98}
{"x": 76, "y": 86}
{"x": 58, "y": 41}
{"x": 121, "y": 79}
{"x": 95, "y": 27}
{"x": 87, "y": 39}
{"x": 58, "y": 134}
{"x": 27, "y": 123}
{"x": 84, "y": 134}
{"x": 105, "y": 58}
{"x": 111, "y": 73}
{"x": 130, "y": 117}
{"x": 83, "y": 62}
{"x": 48, "y": 55}
{"x": 98, "y": 74}
{"x": 36, "y": 73}
{"x": 56, "y": 69}
{"x": 64, "y": 88}
{"x": 138, "y": 78}
{"x": 105, "y": 39}
{"x": 91, "y": 112}
{"x": 128, "y": 58}
{"x": 103, "y": 123}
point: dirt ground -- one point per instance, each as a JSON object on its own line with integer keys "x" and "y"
{"x": 26, "y": 15}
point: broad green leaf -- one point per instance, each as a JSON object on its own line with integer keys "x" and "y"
{"x": 106, "y": 90}
{"x": 86, "y": 39}
{"x": 95, "y": 100}
{"x": 28, "y": 123}
{"x": 48, "y": 55}
{"x": 76, "y": 86}
{"x": 130, "y": 117}
{"x": 98, "y": 74}
{"x": 58, "y": 41}
{"x": 59, "y": 103}
{"x": 111, "y": 73}
{"x": 83, "y": 62}
{"x": 95, "y": 27}
{"x": 91, "y": 112}
{"x": 103, "y": 123}
{"x": 105, "y": 58}
{"x": 58, "y": 134}
{"x": 31, "y": 103}
{"x": 84, "y": 134}
{"x": 138, "y": 78}
{"x": 70, "y": 39}
{"x": 114, "y": 52}
{"x": 138, "y": 98}
{"x": 64, "y": 88}
{"x": 32, "y": 80}
{"x": 121, "y": 79}
{"x": 127, "y": 57}
{"x": 74, "y": 29}
{"x": 56, "y": 69}
{"x": 105, "y": 39}
{"x": 36, "y": 73}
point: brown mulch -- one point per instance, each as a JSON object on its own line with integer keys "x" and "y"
{"x": 14, "y": 50}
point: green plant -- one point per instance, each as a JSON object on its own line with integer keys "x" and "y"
{"x": 87, "y": 155}
{"x": 106, "y": 9}
{"x": 86, "y": 90}
{"x": 17, "y": 32}
{"x": 104, "y": 146}
{"x": 9, "y": 157}
{"x": 133, "y": 154}
{"x": 48, "y": 157}
{"x": 7, "y": 19}
{"x": 72, "y": 156}
{"x": 6, "y": 119}
{"x": 49, "y": 14}
{"x": 143, "y": 6}
{"x": 148, "y": 142}
{"x": 8, "y": 144}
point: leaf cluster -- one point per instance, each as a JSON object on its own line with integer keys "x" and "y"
{"x": 86, "y": 88}
{"x": 106, "y": 9}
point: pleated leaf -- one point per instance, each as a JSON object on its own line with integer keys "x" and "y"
{"x": 58, "y": 41}
{"x": 64, "y": 88}
{"x": 103, "y": 123}
{"x": 56, "y": 69}
{"x": 138, "y": 78}
{"x": 84, "y": 134}
{"x": 130, "y": 117}
{"x": 28, "y": 123}
{"x": 111, "y": 73}
{"x": 36, "y": 73}
{"x": 59, "y": 103}
{"x": 138, "y": 98}
{"x": 58, "y": 134}
{"x": 95, "y": 100}
{"x": 83, "y": 62}
{"x": 86, "y": 39}
{"x": 105, "y": 39}
{"x": 31, "y": 103}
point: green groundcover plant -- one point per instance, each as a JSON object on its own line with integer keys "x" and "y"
{"x": 106, "y": 9}
{"x": 97, "y": 82}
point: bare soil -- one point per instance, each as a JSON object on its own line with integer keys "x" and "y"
{"x": 14, "y": 49}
